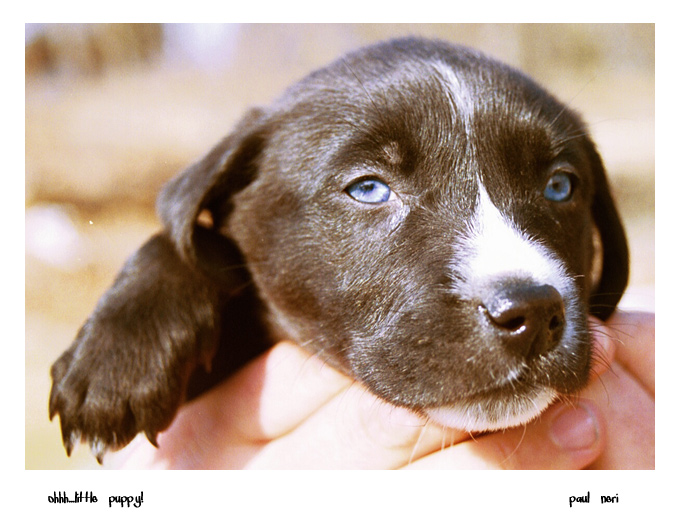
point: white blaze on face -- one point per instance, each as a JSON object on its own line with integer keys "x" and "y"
{"x": 493, "y": 249}
{"x": 462, "y": 100}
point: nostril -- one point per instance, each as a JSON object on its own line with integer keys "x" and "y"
{"x": 513, "y": 324}
{"x": 527, "y": 319}
{"x": 556, "y": 322}
{"x": 506, "y": 313}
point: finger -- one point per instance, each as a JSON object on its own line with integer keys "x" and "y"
{"x": 228, "y": 426}
{"x": 628, "y": 410}
{"x": 359, "y": 430}
{"x": 635, "y": 334}
{"x": 355, "y": 430}
{"x": 573, "y": 440}
{"x": 277, "y": 392}
{"x": 566, "y": 436}
{"x": 248, "y": 410}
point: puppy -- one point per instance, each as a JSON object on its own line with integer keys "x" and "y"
{"x": 420, "y": 216}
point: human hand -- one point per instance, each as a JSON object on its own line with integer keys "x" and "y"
{"x": 288, "y": 409}
{"x": 625, "y": 394}
{"x": 621, "y": 398}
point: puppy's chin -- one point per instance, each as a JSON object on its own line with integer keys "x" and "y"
{"x": 490, "y": 413}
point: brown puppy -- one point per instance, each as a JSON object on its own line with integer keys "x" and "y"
{"x": 419, "y": 215}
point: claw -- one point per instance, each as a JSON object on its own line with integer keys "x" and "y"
{"x": 70, "y": 440}
{"x": 99, "y": 449}
{"x": 152, "y": 437}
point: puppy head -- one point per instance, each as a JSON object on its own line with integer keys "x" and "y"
{"x": 423, "y": 218}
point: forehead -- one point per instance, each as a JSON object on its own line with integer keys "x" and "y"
{"x": 452, "y": 110}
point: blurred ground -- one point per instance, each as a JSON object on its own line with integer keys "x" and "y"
{"x": 112, "y": 112}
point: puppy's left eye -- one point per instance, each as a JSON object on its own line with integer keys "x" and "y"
{"x": 560, "y": 187}
{"x": 369, "y": 191}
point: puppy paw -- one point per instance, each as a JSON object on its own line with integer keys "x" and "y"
{"x": 105, "y": 392}
{"x": 127, "y": 370}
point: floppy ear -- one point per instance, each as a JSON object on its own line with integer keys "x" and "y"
{"x": 208, "y": 185}
{"x": 615, "y": 259}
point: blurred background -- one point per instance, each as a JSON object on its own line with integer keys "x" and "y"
{"x": 113, "y": 111}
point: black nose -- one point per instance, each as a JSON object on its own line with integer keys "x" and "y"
{"x": 527, "y": 319}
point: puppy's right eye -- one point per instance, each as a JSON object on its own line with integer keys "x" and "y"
{"x": 369, "y": 191}
{"x": 560, "y": 187}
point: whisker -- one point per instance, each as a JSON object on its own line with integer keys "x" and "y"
{"x": 570, "y": 102}
{"x": 414, "y": 449}
{"x": 519, "y": 443}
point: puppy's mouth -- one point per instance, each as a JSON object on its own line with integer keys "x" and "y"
{"x": 513, "y": 402}
{"x": 503, "y": 407}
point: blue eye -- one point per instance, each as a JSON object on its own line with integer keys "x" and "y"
{"x": 369, "y": 191}
{"x": 559, "y": 187}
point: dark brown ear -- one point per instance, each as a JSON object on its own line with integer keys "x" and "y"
{"x": 209, "y": 185}
{"x": 615, "y": 259}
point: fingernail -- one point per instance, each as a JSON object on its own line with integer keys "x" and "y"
{"x": 574, "y": 428}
